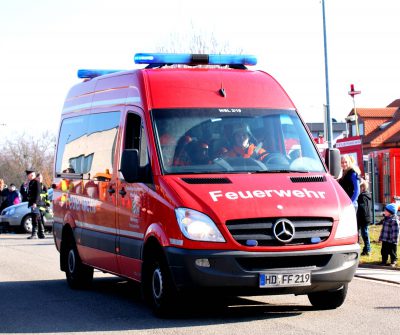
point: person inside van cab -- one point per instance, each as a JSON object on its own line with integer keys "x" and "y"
{"x": 191, "y": 151}
{"x": 242, "y": 146}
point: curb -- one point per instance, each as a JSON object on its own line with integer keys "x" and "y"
{"x": 382, "y": 273}
{"x": 376, "y": 266}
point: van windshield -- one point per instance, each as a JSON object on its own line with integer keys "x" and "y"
{"x": 232, "y": 140}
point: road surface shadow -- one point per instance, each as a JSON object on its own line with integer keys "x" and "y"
{"x": 114, "y": 304}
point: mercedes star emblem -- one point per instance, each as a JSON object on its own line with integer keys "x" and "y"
{"x": 283, "y": 230}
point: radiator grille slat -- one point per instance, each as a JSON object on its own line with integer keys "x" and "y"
{"x": 308, "y": 179}
{"x": 307, "y": 231}
{"x": 207, "y": 180}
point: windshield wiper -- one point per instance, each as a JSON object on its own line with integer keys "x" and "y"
{"x": 282, "y": 171}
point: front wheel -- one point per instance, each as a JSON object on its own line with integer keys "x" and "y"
{"x": 78, "y": 274}
{"x": 26, "y": 224}
{"x": 158, "y": 289}
{"x": 328, "y": 299}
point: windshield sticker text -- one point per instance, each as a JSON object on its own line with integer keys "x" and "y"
{"x": 230, "y": 110}
{"x": 303, "y": 193}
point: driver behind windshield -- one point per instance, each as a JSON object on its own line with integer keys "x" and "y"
{"x": 243, "y": 146}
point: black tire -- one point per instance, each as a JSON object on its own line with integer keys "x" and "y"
{"x": 328, "y": 299}
{"x": 157, "y": 287}
{"x": 78, "y": 274}
{"x": 26, "y": 224}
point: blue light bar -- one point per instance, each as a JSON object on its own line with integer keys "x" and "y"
{"x": 194, "y": 59}
{"x": 89, "y": 74}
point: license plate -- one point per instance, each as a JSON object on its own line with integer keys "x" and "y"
{"x": 285, "y": 279}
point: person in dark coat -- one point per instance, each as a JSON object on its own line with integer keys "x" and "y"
{"x": 23, "y": 190}
{"x": 350, "y": 178}
{"x": 34, "y": 190}
{"x": 364, "y": 215}
{"x": 44, "y": 203}
{"x": 3, "y": 195}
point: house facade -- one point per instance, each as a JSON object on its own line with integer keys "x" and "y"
{"x": 378, "y": 127}
{"x": 339, "y": 130}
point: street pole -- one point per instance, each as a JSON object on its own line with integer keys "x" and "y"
{"x": 372, "y": 174}
{"x": 353, "y": 93}
{"x": 328, "y": 112}
{"x": 356, "y": 116}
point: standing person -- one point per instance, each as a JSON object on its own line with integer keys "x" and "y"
{"x": 44, "y": 202}
{"x": 33, "y": 203}
{"x": 13, "y": 196}
{"x": 3, "y": 194}
{"x": 389, "y": 234}
{"x": 24, "y": 190}
{"x": 350, "y": 178}
{"x": 364, "y": 216}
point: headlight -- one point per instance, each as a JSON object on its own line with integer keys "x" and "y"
{"x": 347, "y": 226}
{"x": 197, "y": 226}
{"x": 9, "y": 212}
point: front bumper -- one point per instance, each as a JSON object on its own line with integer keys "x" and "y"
{"x": 238, "y": 272}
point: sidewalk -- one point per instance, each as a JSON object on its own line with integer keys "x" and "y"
{"x": 380, "y": 273}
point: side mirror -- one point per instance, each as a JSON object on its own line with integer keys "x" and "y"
{"x": 130, "y": 165}
{"x": 332, "y": 161}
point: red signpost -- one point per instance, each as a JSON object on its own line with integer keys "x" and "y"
{"x": 353, "y": 93}
{"x": 353, "y": 147}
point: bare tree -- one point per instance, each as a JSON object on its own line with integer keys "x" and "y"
{"x": 24, "y": 152}
{"x": 197, "y": 42}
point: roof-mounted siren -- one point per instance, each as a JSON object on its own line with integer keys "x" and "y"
{"x": 153, "y": 60}
{"x": 90, "y": 74}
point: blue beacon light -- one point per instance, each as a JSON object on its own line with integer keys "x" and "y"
{"x": 194, "y": 59}
{"x": 160, "y": 59}
{"x": 89, "y": 74}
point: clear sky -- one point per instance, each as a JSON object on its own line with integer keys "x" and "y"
{"x": 44, "y": 42}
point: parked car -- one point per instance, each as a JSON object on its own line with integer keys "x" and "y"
{"x": 19, "y": 218}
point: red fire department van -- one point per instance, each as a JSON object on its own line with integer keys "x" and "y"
{"x": 196, "y": 174}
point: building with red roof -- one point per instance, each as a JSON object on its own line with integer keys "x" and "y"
{"x": 378, "y": 127}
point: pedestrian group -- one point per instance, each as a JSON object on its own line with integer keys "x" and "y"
{"x": 357, "y": 190}
{"x": 32, "y": 191}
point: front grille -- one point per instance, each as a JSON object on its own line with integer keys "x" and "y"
{"x": 307, "y": 231}
{"x": 264, "y": 263}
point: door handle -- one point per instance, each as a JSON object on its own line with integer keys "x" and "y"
{"x": 111, "y": 191}
{"x": 122, "y": 192}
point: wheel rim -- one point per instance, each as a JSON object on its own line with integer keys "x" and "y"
{"x": 28, "y": 225}
{"x": 71, "y": 261}
{"x": 157, "y": 284}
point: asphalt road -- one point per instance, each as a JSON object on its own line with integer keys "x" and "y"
{"x": 34, "y": 298}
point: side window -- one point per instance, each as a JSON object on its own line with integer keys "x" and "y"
{"x": 101, "y": 141}
{"x": 87, "y": 145}
{"x": 144, "y": 155}
{"x": 135, "y": 138}
{"x": 291, "y": 137}
{"x": 71, "y": 144}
